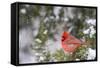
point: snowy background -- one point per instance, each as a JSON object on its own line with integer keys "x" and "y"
{"x": 41, "y": 28}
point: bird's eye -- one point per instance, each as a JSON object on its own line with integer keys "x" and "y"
{"x": 63, "y": 38}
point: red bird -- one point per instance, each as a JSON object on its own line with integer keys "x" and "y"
{"x": 69, "y": 42}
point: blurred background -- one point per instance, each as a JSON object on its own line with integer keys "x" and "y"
{"x": 41, "y": 28}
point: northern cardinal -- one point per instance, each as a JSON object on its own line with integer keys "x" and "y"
{"x": 69, "y": 42}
